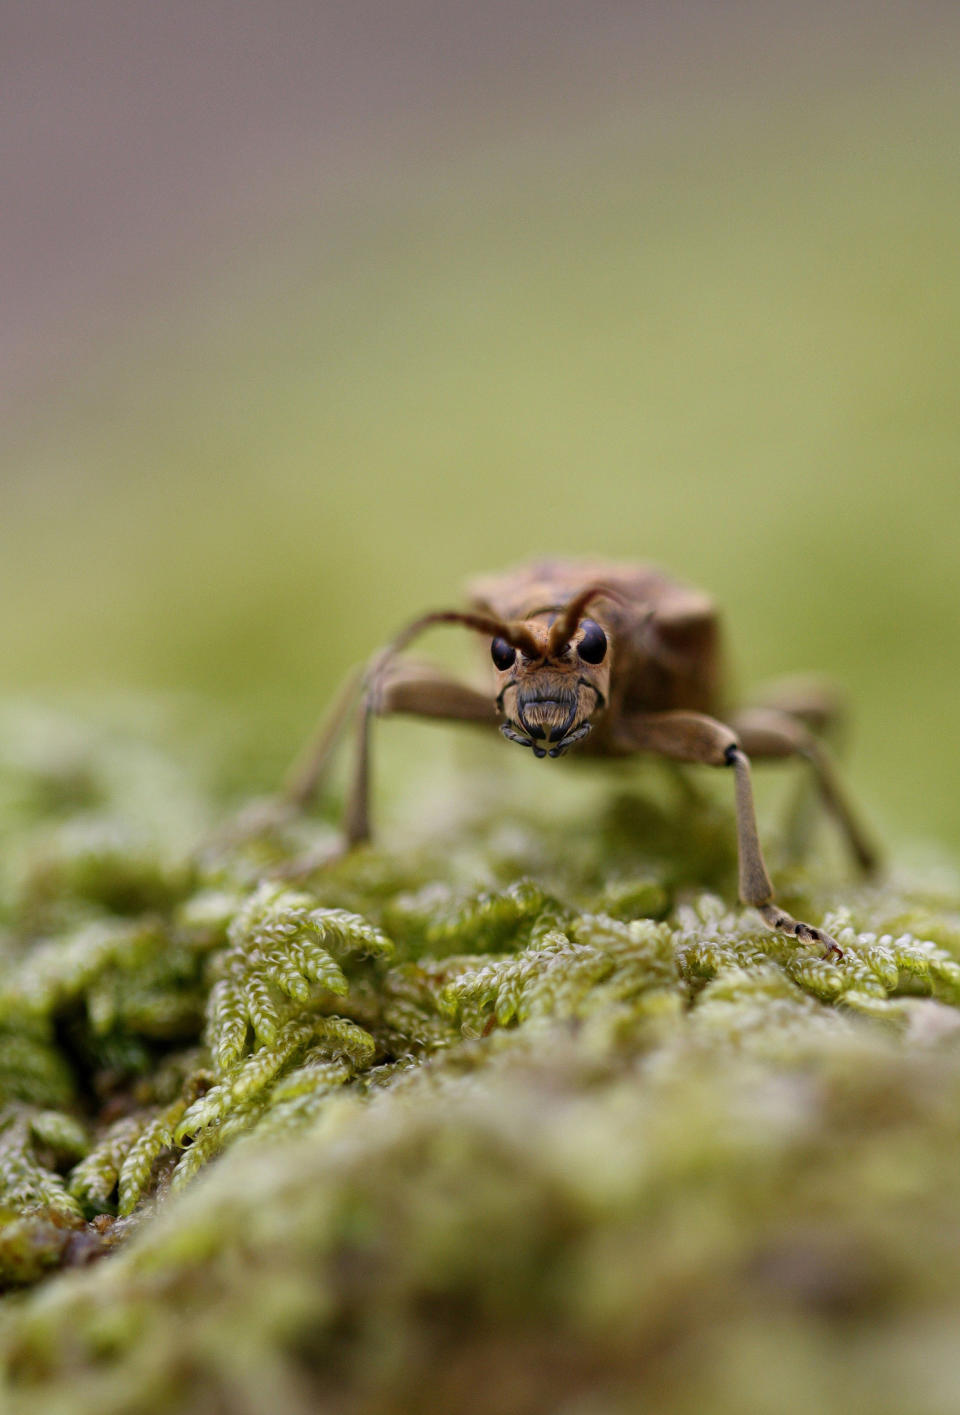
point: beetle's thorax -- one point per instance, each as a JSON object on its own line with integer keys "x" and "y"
{"x": 548, "y": 700}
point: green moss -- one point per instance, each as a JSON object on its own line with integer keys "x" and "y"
{"x": 526, "y": 1116}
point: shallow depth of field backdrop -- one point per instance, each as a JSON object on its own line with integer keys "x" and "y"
{"x": 309, "y": 311}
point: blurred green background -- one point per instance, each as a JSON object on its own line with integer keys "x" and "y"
{"x": 315, "y": 316}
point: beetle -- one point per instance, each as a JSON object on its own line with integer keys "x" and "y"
{"x": 608, "y": 660}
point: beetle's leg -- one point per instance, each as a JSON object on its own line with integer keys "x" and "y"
{"x": 305, "y": 777}
{"x": 820, "y": 706}
{"x": 816, "y": 701}
{"x": 417, "y": 690}
{"x": 769, "y": 733}
{"x": 387, "y": 685}
{"x": 394, "y": 686}
{"x": 694, "y": 737}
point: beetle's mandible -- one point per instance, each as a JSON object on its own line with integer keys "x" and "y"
{"x": 605, "y": 659}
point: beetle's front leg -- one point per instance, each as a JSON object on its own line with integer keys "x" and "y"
{"x": 386, "y": 687}
{"x": 391, "y": 686}
{"x": 694, "y": 737}
{"x": 417, "y": 690}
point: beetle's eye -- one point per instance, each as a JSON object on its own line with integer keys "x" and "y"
{"x": 503, "y": 654}
{"x": 593, "y": 644}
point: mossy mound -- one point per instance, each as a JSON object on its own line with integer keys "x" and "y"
{"x": 522, "y": 1117}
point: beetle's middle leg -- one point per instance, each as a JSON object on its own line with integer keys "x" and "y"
{"x": 694, "y": 737}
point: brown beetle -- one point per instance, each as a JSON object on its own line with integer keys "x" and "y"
{"x": 608, "y": 659}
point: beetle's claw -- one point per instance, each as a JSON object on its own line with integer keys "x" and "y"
{"x": 782, "y": 922}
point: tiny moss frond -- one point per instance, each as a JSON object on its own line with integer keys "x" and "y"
{"x": 599, "y": 961}
{"x": 95, "y": 1178}
{"x": 284, "y": 952}
{"x": 57, "y": 972}
{"x": 437, "y": 921}
{"x": 333, "y": 1038}
{"x": 32, "y": 1066}
{"x": 26, "y": 1183}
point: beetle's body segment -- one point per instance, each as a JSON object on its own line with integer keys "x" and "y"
{"x": 610, "y": 659}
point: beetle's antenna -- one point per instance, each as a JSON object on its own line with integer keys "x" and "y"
{"x": 564, "y": 626}
{"x": 516, "y": 634}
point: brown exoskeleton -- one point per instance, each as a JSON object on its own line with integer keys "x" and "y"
{"x": 609, "y": 660}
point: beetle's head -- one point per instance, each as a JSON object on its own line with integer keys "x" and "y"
{"x": 553, "y": 668}
{"x": 554, "y": 677}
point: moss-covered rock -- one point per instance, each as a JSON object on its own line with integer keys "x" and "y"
{"x": 525, "y": 1116}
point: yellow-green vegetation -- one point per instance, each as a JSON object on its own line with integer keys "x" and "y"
{"x": 523, "y": 1114}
